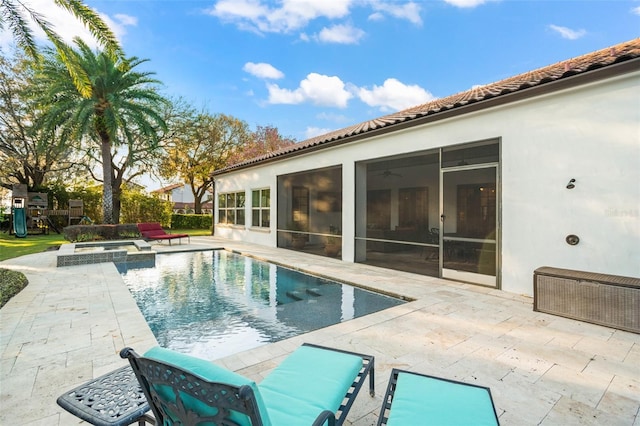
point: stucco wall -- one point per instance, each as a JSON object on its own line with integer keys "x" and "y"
{"x": 591, "y": 134}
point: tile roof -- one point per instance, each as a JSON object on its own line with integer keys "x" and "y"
{"x": 579, "y": 65}
{"x": 168, "y": 188}
{"x": 191, "y": 205}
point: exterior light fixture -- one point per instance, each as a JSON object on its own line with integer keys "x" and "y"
{"x": 571, "y": 184}
{"x": 572, "y": 240}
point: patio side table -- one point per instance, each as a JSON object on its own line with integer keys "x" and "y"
{"x": 115, "y": 399}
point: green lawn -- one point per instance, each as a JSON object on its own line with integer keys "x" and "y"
{"x": 11, "y": 247}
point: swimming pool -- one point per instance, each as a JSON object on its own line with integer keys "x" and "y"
{"x": 215, "y": 303}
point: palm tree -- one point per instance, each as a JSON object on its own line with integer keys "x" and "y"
{"x": 16, "y": 14}
{"x": 123, "y": 106}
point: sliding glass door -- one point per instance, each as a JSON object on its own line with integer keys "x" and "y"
{"x": 432, "y": 212}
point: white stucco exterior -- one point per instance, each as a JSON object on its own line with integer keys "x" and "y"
{"x": 590, "y": 133}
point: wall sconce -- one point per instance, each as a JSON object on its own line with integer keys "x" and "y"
{"x": 571, "y": 184}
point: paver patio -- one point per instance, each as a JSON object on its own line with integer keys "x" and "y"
{"x": 68, "y": 325}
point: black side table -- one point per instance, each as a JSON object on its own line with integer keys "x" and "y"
{"x": 115, "y": 399}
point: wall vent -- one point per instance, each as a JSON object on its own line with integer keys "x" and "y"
{"x": 609, "y": 300}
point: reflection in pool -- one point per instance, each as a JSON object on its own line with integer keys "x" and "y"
{"x": 215, "y": 303}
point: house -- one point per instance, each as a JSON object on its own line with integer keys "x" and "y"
{"x": 484, "y": 186}
{"x": 182, "y": 199}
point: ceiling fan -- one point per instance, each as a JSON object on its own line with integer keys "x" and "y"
{"x": 388, "y": 173}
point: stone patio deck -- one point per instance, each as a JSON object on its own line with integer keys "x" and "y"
{"x": 68, "y": 325}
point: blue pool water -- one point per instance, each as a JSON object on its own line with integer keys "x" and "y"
{"x": 216, "y": 303}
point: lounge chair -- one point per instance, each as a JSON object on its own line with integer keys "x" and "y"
{"x": 314, "y": 385}
{"x": 418, "y": 399}
{"x": 154, "y": 231}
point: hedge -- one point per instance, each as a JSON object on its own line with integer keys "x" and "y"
{"x": 11, "y": 283}
{"x": 80, "y": 233}
{"x": 191, "y": 221}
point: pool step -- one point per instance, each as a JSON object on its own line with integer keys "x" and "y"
{"x": 298, "y": 295}
{"x": 295, "y": 295}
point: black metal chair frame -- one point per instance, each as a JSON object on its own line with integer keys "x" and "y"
{"x": 221, "y": 396}
{"x": 114, "y": 399}
{"x": 391, "y": 388}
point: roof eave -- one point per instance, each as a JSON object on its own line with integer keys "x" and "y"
{"x": 570, "y": 81}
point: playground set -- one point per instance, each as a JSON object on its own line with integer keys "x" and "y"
{"x": 30, "y": 213}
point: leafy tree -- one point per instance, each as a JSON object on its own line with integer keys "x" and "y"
{"x": 16, "y": 14}
{"x": 137, "y": 206}
{"x": 264, "y": 140}
{"x": 28, "y": 154}
{"x": 202, "y": 143}
{"x": 140, "y": 207}
{"x": 121, "y": 111}
{"x": 91, "y": 196}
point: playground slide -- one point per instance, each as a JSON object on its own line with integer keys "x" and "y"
{"x": 20, "y": 222}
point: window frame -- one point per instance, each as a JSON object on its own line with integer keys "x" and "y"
{"x": 260, "y": 209}
{"x": 228, "y": 208}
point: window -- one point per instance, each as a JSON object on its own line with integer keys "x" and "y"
{"x": 231, "y": 208}
{"x": 260, "y": 207}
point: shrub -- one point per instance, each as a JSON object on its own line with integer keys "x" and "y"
{"x": 11, "y": 283}
{"x": 191, "y": 221}
{"x": 81, "y": 233}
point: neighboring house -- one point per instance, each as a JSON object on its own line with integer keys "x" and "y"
{"x": 182, "y": 198}
{"x": 485, "y": 186}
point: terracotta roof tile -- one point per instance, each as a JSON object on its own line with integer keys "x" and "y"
{"x": 578, "y": 65}
{"x": 168, "y": 188}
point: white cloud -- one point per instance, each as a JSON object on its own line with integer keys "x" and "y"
{"x": 278, "y": 95}
{"x": 568, "y": 33}
{"x": 409, "y": 11}
{"x": 263, "y": 70}
{"x": 312, "y": 132}
{"x": 636, "y": 10}
{"x": 262, "y": 16}
{"x": 291, "y": 15}
{"x": 126, "y": 20}
{"x": 67, "y": 26}
{"x": 317, "y": 89}
{"x": 466, "y": 3}
{"x": 341, "y": 34}
{"x": 331, "y": 91}
{"x": 238, "y": 9}
{"x": 394, "y": 95}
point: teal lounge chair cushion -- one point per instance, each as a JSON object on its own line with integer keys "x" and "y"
{"x": 307, "y": 382}
{"x": 427, "y": 400}
{"x": 211, "y": 372}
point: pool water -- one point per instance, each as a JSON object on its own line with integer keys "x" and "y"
{"x": 212, "y": 304}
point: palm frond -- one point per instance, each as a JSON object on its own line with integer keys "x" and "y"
{"x": 13, "y": 14}
{"x": 74, "y": 66}
{"x": 96, "y": 26}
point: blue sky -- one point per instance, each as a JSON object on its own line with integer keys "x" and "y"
{"x": 311, "y": 66}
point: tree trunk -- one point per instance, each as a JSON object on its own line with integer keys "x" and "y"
{"x": 197, "y": 197}
{"x": 107, "y": 188}
{"x": 117, "y": 204}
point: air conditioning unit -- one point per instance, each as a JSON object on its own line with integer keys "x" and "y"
{"x": 609, "y": 300}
